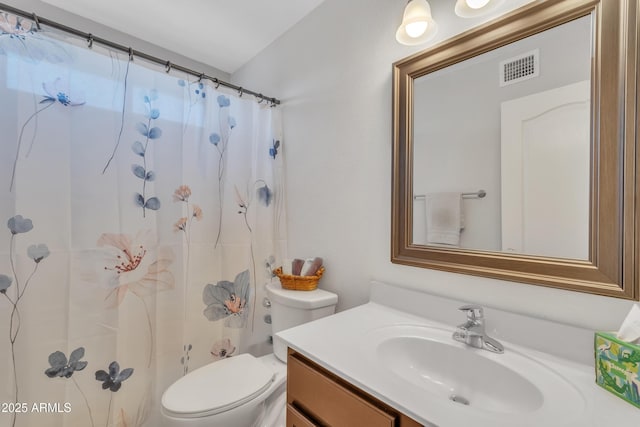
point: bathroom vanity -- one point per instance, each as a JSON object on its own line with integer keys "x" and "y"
{"x": 393, "y": 361}
{"x": 316, "y": 397}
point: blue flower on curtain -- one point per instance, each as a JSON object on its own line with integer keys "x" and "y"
{"x": 38, "y": 252}
{"x": 63, "y": 368}
{"x": 112, "y": 380}
{"x": 21, "y": 37}
{"x": 226, "y": 300}
{"x": 223, "y": 101}
{"x": 221, "y": 141}
{"x": 57, "y": 92}
{"x": 273, "y": 151}
{"x": 5, "y": 282}
{"x": 199, "y": 90}
{"x": 196, "y": 91}
{"x": 150, "y": 133}
{"x": 265, "y": 195}
{"x": 18, "y": 225}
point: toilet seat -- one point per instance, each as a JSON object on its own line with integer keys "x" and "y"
{"x": 217, "y": 387}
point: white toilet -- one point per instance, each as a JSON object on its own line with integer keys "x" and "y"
{"x": 245, "y": 391}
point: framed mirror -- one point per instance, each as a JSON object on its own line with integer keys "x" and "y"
{"x": 515, "y": 149}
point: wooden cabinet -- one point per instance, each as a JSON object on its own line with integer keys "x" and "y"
{"x": 315, "y": 397}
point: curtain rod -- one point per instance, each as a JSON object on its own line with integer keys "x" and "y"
{"x": 133, "y": 52}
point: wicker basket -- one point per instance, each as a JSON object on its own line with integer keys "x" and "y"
{"x": 298, "y": 283}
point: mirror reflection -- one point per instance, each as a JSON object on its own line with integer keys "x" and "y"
{"x": 502, "y": 148}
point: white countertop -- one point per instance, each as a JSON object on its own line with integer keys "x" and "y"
{"x": 336, "y": 343}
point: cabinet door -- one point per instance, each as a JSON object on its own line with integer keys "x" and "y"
{"x": 296, "y": 419}
{"x": 327, "y": 402}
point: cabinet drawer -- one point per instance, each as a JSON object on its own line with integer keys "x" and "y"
{"x": 296, "y": 419}
{"x": 327, "y": 402}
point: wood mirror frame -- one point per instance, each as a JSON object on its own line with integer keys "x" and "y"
{"x": 612, "y": 267}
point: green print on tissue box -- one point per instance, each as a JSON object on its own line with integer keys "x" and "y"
{"x": 617, "y": 365}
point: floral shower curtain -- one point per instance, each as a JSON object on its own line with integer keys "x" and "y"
{"x": 141, "y": 215}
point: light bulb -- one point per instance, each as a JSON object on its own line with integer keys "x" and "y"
{"x": 416, "y": 29}
{"x": 477, "y": 4}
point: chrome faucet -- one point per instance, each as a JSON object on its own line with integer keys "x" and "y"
{"x": 472, "y": 331}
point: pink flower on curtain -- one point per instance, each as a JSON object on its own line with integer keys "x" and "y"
{"x": 222, "y": 349}
{"x": 22, "y": 36}
{"x": 130, "y": 267}
{"x": 182, "y": 194}
{"x": 15, "y": 26}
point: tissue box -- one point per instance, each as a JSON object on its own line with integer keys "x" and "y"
{"x": 617, "y": 365}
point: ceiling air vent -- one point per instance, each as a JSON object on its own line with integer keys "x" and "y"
{"x": 519, "y": 68}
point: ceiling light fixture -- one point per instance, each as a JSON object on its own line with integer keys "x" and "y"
{"x": 417, "y": 24}
{"x": 475, "y": 8}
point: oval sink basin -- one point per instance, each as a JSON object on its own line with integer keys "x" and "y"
{"x": 462, "y": 376}
{"x": 511, "y": 383}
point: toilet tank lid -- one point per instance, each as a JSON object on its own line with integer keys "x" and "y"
{"x": 316, "y": 298}
{"x": 217, "y": 387}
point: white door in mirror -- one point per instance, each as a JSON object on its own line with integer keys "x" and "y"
{"x": 546, "y": 152}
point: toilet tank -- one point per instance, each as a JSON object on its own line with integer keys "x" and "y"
{"x": 293, "y": 308}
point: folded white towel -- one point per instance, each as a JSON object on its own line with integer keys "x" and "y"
{"x": 444, "y": 218}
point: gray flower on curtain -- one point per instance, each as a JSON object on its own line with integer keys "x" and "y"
{"x": 113, "y": 379}
{"x": 150, "y": 133}
{"x": 226, "y": 299}
{"x": 5, "y": 282}
{"x": 38, "y": 252}
{"x": 61, "y": 367}
{"x": 220, "y": 140}
{"x": 17, "y": 224}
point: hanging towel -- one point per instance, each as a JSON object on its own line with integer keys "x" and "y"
{"x": 444, "y": 218}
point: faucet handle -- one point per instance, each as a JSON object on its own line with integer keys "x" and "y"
{"x": 474, "y": 312}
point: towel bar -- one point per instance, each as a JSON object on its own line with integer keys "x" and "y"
{"x": 477, "y": 195}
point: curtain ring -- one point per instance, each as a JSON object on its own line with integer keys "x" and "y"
{"x": 130, "y": 54}
{"x": 217, "y": 82}
{"x": 240, "y": 92}
{"x": 90, "y": 41}
{"x": 261, "y": 96}
{"x": 36, "y": 20}
{"x": 201, "y": 77}
{"x": 168, "y": 65}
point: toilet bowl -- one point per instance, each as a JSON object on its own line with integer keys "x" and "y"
{"x": 245, "y": 391}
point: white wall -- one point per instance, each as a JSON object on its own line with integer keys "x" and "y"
{"x": 333, "y": 73}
